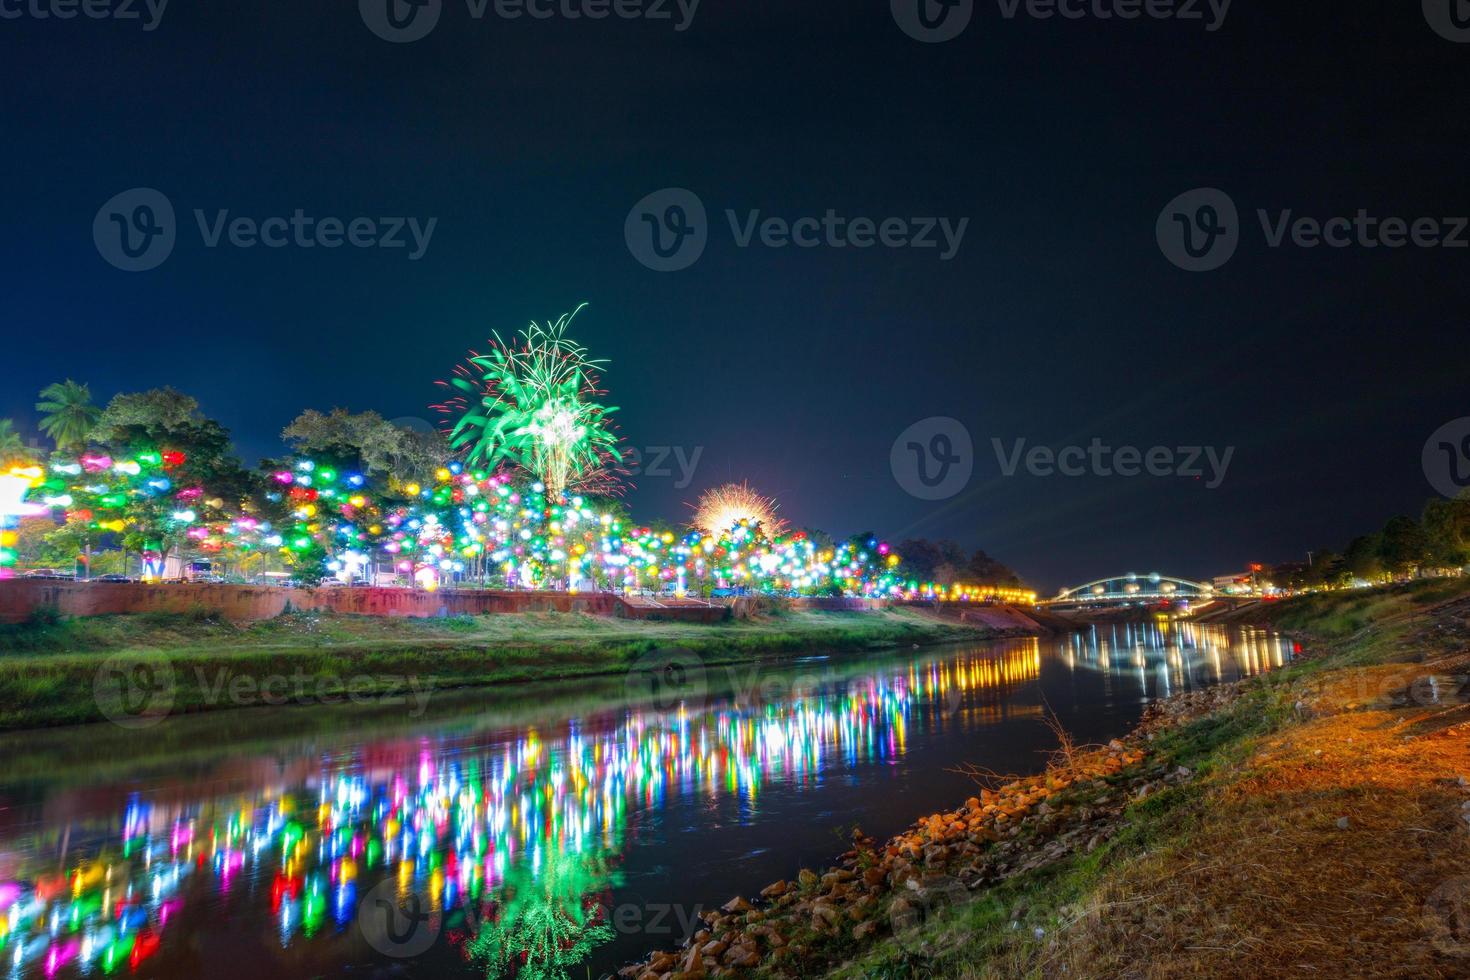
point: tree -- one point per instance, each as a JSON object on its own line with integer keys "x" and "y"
{"x": 1361, "y": 560}
{"x": 30, "y": 539}
{"x": 207, "y": 476}
{"x": 369, "y": 442}
{"x": 981, "y": 569}
{"x": 67, "y": 414}
{"x": 941, "y": 562}
{"x": 1402, "y": 546}
{"x": 12, "y": 447}
{"x": 1446, "y": 525}
{"x": 152, "y": 416}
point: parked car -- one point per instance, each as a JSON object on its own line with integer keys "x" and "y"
{"x": 112, "y": 578}
{"x": 46, "y": 573}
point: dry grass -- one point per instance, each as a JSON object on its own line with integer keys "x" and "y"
{"x": 1336, "y": 852}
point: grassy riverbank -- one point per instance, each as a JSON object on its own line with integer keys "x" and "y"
{"x": 1312, "y": 822}
{"x": 49, "y": 669}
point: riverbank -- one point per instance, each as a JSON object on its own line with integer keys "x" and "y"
{"x": 54, "y": 671}
{"x": 1314, "y": 821}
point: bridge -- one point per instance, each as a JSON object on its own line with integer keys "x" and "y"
{"x": 1132, "y": 590}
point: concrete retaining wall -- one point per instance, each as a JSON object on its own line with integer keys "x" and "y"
{"x": 19, "y": 598}
{"x": 840, "y": 604}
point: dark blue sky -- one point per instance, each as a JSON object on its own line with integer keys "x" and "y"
{"x": 1058, "y": 321}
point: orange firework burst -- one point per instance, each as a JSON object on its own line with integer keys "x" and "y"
{"x": 724, "y": 507}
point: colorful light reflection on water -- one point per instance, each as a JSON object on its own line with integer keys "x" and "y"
{"x": 514, "y": 847}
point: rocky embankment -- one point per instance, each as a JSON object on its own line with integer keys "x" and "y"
{"x": 892, "y": 891}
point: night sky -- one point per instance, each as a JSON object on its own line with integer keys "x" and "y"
{"x": 1059, "y": 320}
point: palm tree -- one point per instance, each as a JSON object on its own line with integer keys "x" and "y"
{"x": 11, "y": 445}
{"x": 67, "y": 413}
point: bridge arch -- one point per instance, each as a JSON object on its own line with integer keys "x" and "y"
{"x": 1132, "y": 587}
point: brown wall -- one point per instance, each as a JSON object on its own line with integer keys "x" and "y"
{"x": 19, "y": 598}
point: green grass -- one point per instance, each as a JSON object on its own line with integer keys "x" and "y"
{"x": 1007, "y": 931}
{"x": 48, "y": 667}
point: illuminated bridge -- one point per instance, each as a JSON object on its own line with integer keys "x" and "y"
{"x": 1132, "y": 590}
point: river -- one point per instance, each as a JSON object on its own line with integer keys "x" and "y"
{"x": 549, "y": 831}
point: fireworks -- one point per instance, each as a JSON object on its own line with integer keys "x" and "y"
{"x": 723, "y": 508}
{"x": 534, "y": 407}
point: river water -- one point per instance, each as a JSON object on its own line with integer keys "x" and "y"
{"x": 535, "y": 832}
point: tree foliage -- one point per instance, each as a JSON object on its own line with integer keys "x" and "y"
{"x": 67, "y": 414}
{"x": 947, "y": 563}
{"x": 12, "y": 446}
{"x": 367, "y": 441}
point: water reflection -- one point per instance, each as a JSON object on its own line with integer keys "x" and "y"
{"x": 508, "y": 847}
{"x": 1177, "y": 656}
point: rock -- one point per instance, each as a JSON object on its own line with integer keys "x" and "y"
{"x": 1343, "y": 823}
{"x": 807, "y": 878}
{"x": 973, "y": 805}
{"x": 863, "y": 930}
{"x": 735, "y": 905}
{"x": 742, "y": 957}
{"x": 873, "y": 877}
{"x": 714, "y": 948}
{"x": 774, "y": 889}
